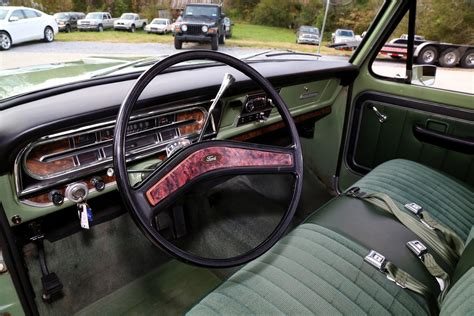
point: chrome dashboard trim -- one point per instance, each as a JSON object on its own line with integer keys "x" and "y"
{"x": 102, "y": 164}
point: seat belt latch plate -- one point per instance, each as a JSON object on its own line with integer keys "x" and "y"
{"x": 417, "y": 247}
{"x": 376, "y": 259}
{"x": 414, "y": 208}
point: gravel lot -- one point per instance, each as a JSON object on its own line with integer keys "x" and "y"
{"x": 43, "y": 53}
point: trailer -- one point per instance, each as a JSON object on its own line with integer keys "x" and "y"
{"x": 431, "y": 52}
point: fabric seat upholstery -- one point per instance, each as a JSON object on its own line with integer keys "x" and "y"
{"x": 448, "y": 200}
{"x": 313, "y": 270}
{"x": 319, "y": 267}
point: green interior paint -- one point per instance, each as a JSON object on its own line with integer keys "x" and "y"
{"x": 328, "y": 91}
{"x": 9, "y": 302}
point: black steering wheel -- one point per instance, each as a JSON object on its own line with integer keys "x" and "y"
{"x": 204, "y": 160}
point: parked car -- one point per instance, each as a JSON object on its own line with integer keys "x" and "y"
{"x": 67, "y": 21}
{"x": 201, "y": 23}
{"x": 21, "y": 24}
{"x": 130, "y": 22}
{"x": 228, "y": 27}
{"x": 159, "y": 26}
{"x": 343, "y": 36}
{"x": 307, "y": 35}
{"x": 96, "y": 21}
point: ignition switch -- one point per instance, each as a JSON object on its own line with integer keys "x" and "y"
{"x": 77, "y": 192}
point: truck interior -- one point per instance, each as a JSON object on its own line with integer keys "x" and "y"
{"x": 280, "y": 185}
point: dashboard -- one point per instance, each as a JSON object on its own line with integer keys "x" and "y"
{"x": 63, "y": 143}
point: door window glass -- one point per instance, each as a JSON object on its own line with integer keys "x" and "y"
{"x": 30, "y": 14}
{"x": 442, "y": 49}
{"x": 18, "y": 14}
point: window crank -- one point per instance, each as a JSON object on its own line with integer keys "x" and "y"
{"x": 382, "y": 118}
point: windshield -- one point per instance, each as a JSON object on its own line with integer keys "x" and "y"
{"x": 94, "y": 16}
{"x": 3, "y": 14}
{"x": 127, "y": 17}
{"x": 253, "y": 31}
{"x": 160, "y": 22}
{"x": 64, "y": 16}
{"x": 345, "y": 33}
{"x": 209, "y": 11}
{"x": 308, "y": 29}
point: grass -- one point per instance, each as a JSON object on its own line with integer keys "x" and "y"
{"x": 244, "y": 35}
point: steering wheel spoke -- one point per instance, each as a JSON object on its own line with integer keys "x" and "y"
{"x": 215, "y": 159}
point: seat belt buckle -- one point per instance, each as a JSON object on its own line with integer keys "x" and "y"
{"x": 414, "y": 208}
{"x": 355, "y": 192}
{"x": 418, "y": 211}
{"x": 417, "y": 247}
{"x": 376, "y": 259}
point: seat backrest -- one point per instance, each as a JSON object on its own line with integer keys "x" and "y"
{"x": 460, "y": 298}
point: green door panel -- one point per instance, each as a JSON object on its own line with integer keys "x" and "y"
{"x": 373, "y": 143}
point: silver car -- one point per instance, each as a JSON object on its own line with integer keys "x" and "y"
{"x": 307, "y": 35}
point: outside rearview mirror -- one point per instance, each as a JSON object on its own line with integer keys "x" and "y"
{"x": 424, "y": 75}
{"x": 13, "y": 19}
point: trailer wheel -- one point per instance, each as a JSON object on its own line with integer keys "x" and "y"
{"x": 467, "y": 61}
{"x": 427, "y": 56}
{"x": 449, "y": 58}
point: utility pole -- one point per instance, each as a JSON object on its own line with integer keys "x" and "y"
{"x": 322, "y": 28}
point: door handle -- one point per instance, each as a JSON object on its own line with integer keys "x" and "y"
{"x": 381, "y": 117}
{"x": 456, "y": 143}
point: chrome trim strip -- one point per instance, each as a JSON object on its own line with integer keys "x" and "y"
{"x": 92, "y": 128}
{"x": 103, "y": 163}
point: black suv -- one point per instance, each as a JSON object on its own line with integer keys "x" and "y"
{"x": 200, "y": 23}
{"x": 67, "y": 21}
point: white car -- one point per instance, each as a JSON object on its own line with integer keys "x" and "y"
{"x": 20, "y": 24}
{"x": 343, "y": 36}
{"x": 160, "y": 26}
{"x": 130, "y": 22}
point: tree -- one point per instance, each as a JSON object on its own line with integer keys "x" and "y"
{"x": 79, "y": 5}
{"x": 309, "y": 13}
{"x": 273, "y": 13}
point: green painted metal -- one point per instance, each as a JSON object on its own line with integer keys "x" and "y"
{"x": 366, "y": 81}
{"x": 327, "y": 91}
{"x": 9, "y": 301}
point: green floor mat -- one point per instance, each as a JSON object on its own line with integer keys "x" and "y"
{"x": 169, "y": 290}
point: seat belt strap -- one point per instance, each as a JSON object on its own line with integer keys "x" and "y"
{"x": 421, "y": 251}
{"x": 453, "y": 240}
{"x": 400, "y": 277}
{"x": 384, "y": 202}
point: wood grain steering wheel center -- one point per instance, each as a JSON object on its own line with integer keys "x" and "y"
{"x": 210, "y": 159}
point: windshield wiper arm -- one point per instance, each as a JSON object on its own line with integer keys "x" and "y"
{"x": 136, "y": 63}
{"x": 291, "y": 52}
{"x": 256, "y": 55}
{"x": 272, "y": 53}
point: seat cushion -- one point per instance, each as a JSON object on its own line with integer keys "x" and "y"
{"x": 313, "y": 270}
{"x": 448, "y": 200}
{"x": 460, "y": 298}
